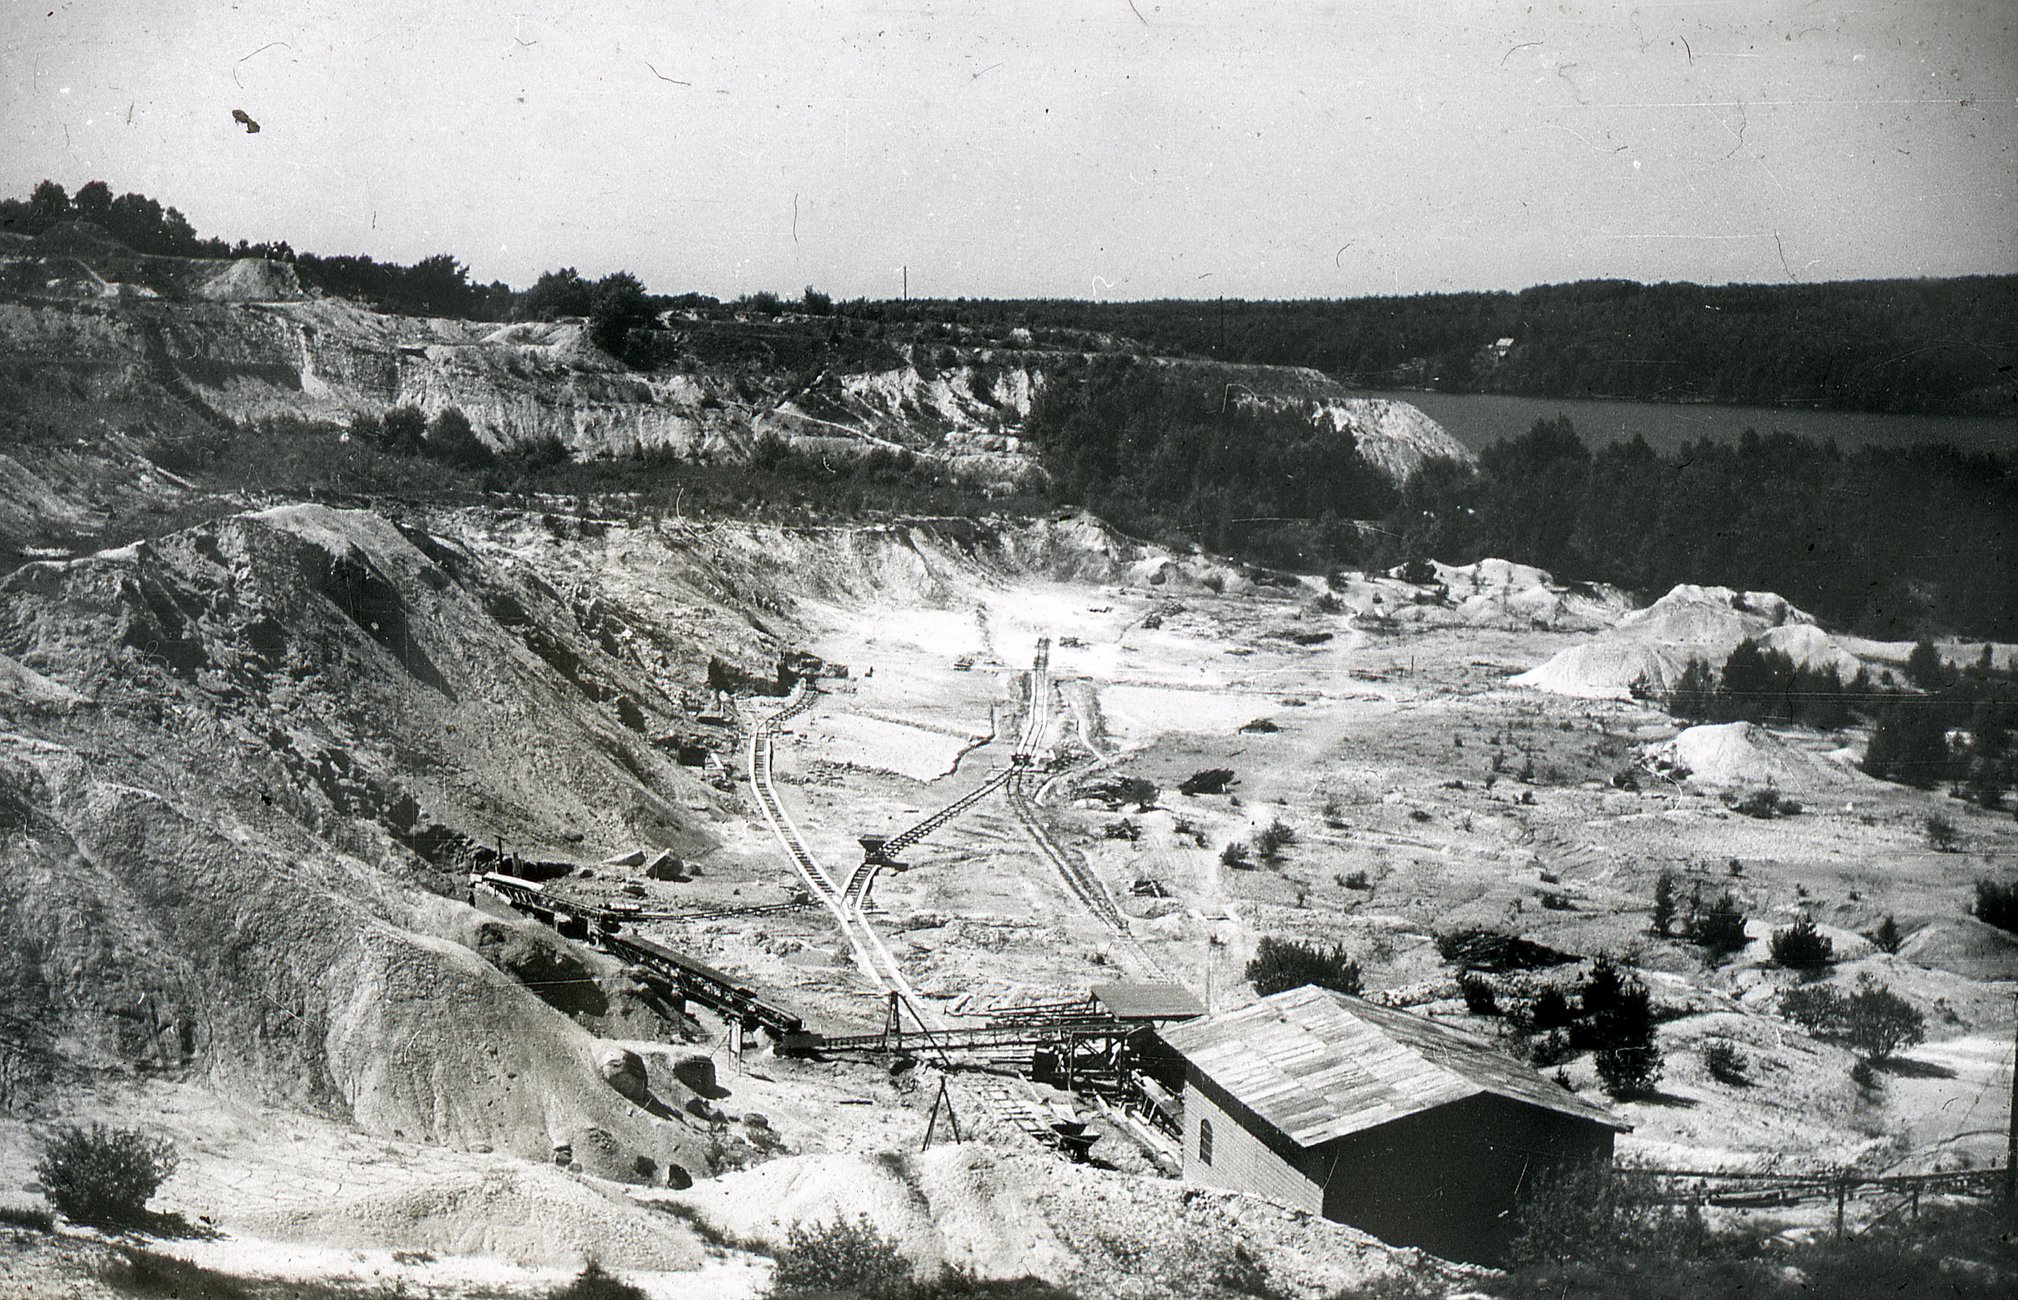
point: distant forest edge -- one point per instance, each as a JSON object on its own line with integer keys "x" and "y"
{"x": 1945, "y": 347}
{"x": 1921, "y": 347}
{"x": 1894, "y": 542}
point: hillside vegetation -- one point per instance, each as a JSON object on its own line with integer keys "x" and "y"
{"x": 1925, "y": 346}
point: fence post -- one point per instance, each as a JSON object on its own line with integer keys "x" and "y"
{"x": 1916, "y": 1202}
{"x": 1842, "y": 1193}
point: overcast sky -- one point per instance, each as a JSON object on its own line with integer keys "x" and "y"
{"x": 1086, "y": 149}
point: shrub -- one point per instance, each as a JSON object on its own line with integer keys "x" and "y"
{"x": 617, "y": 307}
{"x": 1593, "y": 1212}
{"x": 1480, "y": 998}
{"x": 1887, "y": 936}
{"x": 1726, "y": 1064}
{"x": 1281, "y": 964}
{"x": 1814, "y": 1007}
{"x": 451, "y": 438}
{"x": 403, "y": 429}
{"x": 27, "y": 1216}
{"x": 1801, "y": 947}
{"x": 1720, "y": 927}
{"x": 1272, "y": 839}
{"x": 842, "y": 1257}
{"x": 1766, "y": 803}
{"x": 1997, "y": 904}
{"x": 1213, "y": 780}
{"x": 1908, "y": 744}
{"x": 1664, "y": 902}
{"x": 1941, "y": 833}
{"x": 1235, "y": 855}
{"x": 592, "y": 1283}
{"x": 1496, "y": 950}
{"x": 1873, "y": 1021}
{"x": 1878, "y": 1023}
{"x": 103, "y": 1175}
{"x": 1629, "y": 1071}
{"x": 1551, "y": 1010}
{"x": 1924, "y": 667}
{"x": 1616, "y": 1018}
{"x": 1552, "y": 1048}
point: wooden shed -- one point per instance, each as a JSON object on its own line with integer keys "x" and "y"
{"x": 1412, "y": 1130}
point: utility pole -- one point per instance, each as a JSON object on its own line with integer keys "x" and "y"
{"x": 907, "y": 282}
{"x": 2011, "y": 1123}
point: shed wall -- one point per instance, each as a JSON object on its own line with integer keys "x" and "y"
{"x": 1446, "y": 1179}
{"x": 1243, "y": 1159}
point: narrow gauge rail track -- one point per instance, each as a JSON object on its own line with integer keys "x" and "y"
{"x": 874, "y": 958}
{"x": 1081, "y": 882}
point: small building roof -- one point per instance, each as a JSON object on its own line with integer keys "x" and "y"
{"x": 1320, "y": 1065}
{"x": 1147, "y": 1001}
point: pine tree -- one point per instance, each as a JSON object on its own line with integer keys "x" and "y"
{"x": 1664, "y": 902}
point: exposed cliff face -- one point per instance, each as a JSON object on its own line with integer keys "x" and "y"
{"x": 242, "y": 340}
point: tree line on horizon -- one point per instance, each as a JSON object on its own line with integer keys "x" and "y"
{"x": 1899, "y": 346}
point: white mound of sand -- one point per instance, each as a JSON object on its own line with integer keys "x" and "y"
{"x": 1737, "y": 754}
{"x": 1015, "y": 1212}
{"x": 252, "y": 279}
{"x": 1495, "y": 592}
{"x": 529, "y": 1214}
{"x": 1651, "y": 648}
{"x": 1965, "y": 946}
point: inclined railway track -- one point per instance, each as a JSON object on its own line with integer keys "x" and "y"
{"x": 875, "y": 959}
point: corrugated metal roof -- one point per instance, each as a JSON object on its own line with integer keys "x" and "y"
{"x": 1148, "y": 1001}
{"x": 1319, "y": 1065}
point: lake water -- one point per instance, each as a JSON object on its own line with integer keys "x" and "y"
{"x": 1480, "y": 419}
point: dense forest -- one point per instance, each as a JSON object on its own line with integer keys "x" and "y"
{"x": 1921, "y": 346}
{"x": 1175, "y": 457}
{"x": 1889, "y": 541}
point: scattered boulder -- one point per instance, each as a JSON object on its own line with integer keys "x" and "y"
{"x": 624, "y": 1070}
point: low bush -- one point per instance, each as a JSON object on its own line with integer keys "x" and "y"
{"x": 1801, "y": 947}
{"x": 27, "y": 1216}
{"x": 1718, "y": 928}
{"x": 1212, "y": 780}
{"x": 1872, "y": 1021}
{"x": 1594, "y": 1212}
{"x": 1765, "y": 804}
{"x": 850, "y": 1257}
{"x": 102, "y": 1175}
{"x": 1497, "y": 951}
{"x": 1272, "y": 839}
{"x": 1727, "y": 1064}
{"x": 1887, "y": 937}
{"x": 593, "y": 1283}
{"x": 1480, "y": 998}
{"x": 1281, "y": 964}
{"x": 1997, "y": 904}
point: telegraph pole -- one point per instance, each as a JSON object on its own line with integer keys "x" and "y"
{"x": 2011, "y": 1123}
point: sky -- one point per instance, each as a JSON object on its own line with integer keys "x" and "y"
{"x": 1087, "y": 149}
